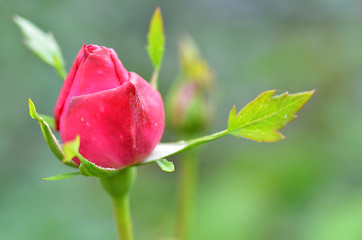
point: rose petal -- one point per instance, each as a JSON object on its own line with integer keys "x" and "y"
{"x": 117, "y": 127}
{"x": 95, "y": 69}
{"x": 66, "y": 87}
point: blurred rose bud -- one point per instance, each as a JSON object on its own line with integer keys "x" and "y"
{"x": 117, "y": 114}
{"x": 189, "y": 107}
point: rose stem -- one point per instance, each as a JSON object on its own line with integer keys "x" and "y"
{"x": 118, "y": 187}
{"x": 123, "y": 217}
{"x": 186, "y": 193}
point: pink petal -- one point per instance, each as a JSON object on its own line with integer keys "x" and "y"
{"x": 117, "y": 127}
{"x": 66, "y": 88}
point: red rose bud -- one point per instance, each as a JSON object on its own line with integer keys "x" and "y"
{"x": 117, "y": 114}
{"x": 189, "y": 105}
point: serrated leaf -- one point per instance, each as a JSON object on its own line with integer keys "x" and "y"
{"x": 51, "y": 140}
{"x": 62, "y": 176}
{"x": 156, "y": 39}
{"x": 42, "y": 44}
{"x": 87, "y": 168}
{"x": 261, "y": 119}
{"x": 165, "y": 165}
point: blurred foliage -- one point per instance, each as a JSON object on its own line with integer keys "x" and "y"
{"x": 189, "y": 103}
{"x": 306, "y": 187}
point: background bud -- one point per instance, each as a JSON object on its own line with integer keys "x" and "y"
{"x": 189, "y": 107}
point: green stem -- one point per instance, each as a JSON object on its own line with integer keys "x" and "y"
{"x": 187, "y": 185}
{"x": 123, "y": 217}
{"x": 154, "y": 77}
{"x": 59, "y": 68}
{"x": 118, "y": 187}
{"x": 61, "y": 72}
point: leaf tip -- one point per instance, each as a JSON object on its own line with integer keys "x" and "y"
{"x": 169, "y": 170}
{"x": 15, "y": 18}
{"x": 311, "y": 92}
{"x": 165, "y": 165}
{"x": 156, "y": 20}
{"x": 32, "y": 109}
{"x": 157, "y": 13}
{"x": 61, "y": 176}
{"x": 233, "y": 111}
{"x": 277, "y": 136}
{"x": 47, "y": 178}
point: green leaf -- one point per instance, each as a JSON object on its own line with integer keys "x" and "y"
{"x": 156, "y": 39}
{"x": 87, "y": 168}
{"x": 261, "y": 119}
{"x": 165, "y": 165}
{"x": 48, "y": 119}
{"x": 62, "y": 176}
{"x": 51, "y": 140}
{"x": 42, "y": 45}
{"x": 164, "y": 150}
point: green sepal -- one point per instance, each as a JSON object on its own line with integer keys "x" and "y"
{"x": 62, "y": 176}
{"x": 119, "y": 185}
{"x": 87, "y": 168}
{"x": 42, "y": 45}
{"x": 165, "y": 165}
{"x": 51, "y": 140}
{"x": 156, "y": 39}
{"x": 261, "y": 119}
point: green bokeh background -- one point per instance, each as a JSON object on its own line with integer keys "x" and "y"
{"x": 307, "y": 187}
